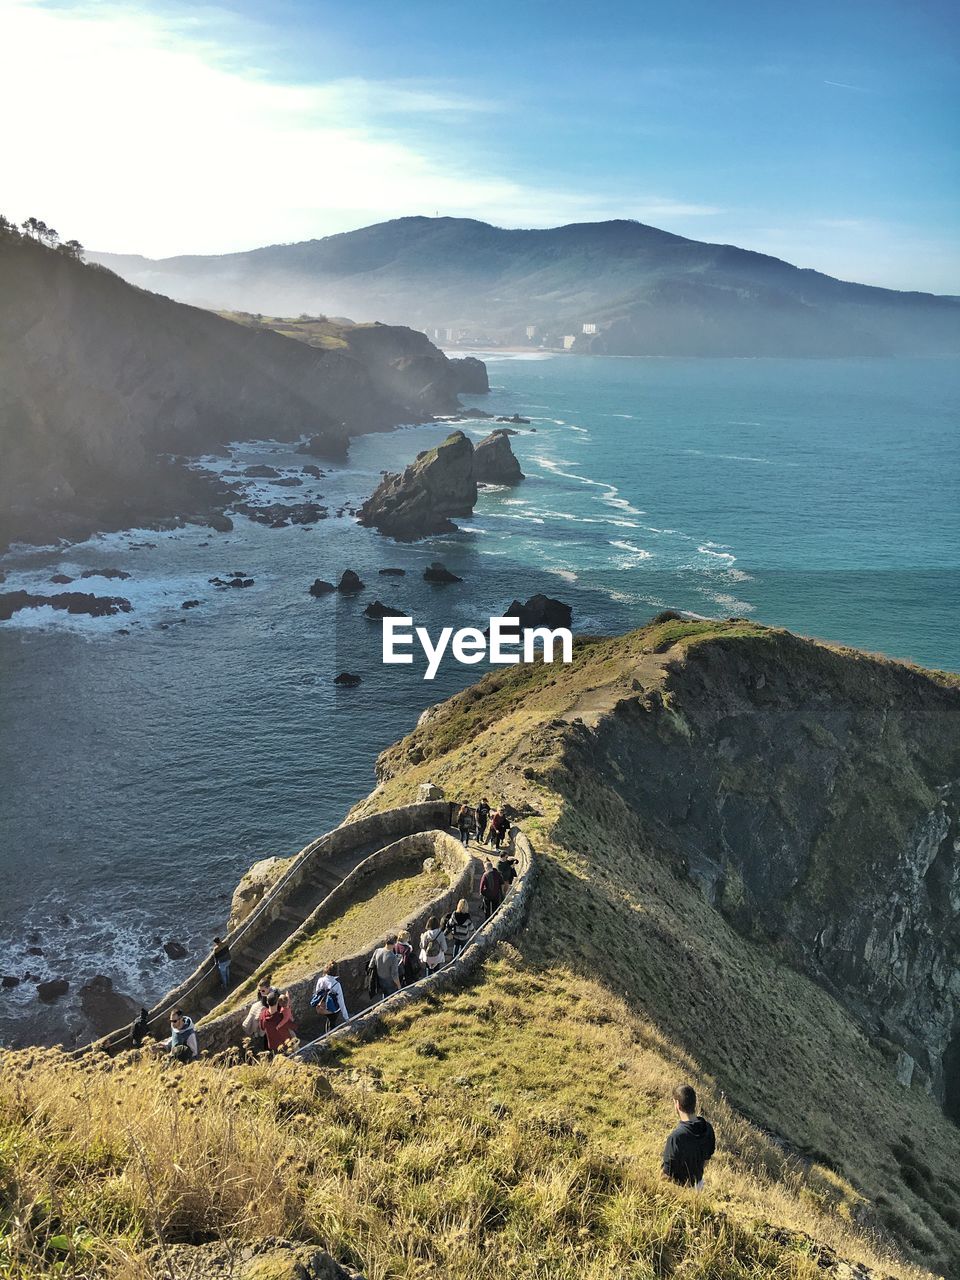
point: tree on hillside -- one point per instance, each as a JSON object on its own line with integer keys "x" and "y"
{"x": 72, "y": 249}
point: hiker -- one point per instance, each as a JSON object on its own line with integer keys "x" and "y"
{"x": 691, "y": 1144}
{"x": 409, "y": 968}
{"x": 328, "y": 996}
{"x": 221, "y": 958}
{"x": 276, "y": 1020}
{"x": 499, "y": 826}
{"x": 140, "y": 1029}
{"x": 466, "y": 824}
{"x": 483, "y": 817}
{"x": 251, "y": 1023}
{"x": 183, "y": 1037}
{"x": 459, "y": 926}
{"x": 385, "y": 963}
{"x": 507, "y": 866}
{"x": 433, "y": 946}
{"x": 491, "y": 889}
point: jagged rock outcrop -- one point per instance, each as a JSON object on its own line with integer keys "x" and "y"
{"x": 494, "y": 461}
{"x": 540, "y": 611}
{"x": 377, "y": 610}
{"x": 471, "y": 375}
{"x": 255, "y": 883}
{"x": 439, "y": 484}
{"x": 12, "y": 602}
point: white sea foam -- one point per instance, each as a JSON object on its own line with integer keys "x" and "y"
{"x": 713, "y": 549}
{"x": 640, "y": 552}
{"x": 729, "y": 457}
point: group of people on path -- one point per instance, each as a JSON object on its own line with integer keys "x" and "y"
{"x": 487, "y": 826}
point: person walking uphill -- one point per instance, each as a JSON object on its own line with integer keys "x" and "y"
{"x": 251, "y": 1023}
{"x": 328, "y": 996}
{"x": 276, "y": 1020}
{"x": 499, "y": 826}
{"x": 483, "y": 817}
{"x": 385, "y": 963}
{"x": 691, "y": 1144}
{"x": 491, "y": 889}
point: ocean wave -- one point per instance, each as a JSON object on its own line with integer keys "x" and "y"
{"x": 641, "y": 552}
{"x": 713, "y": 549}
{"x": 730, "y": 457}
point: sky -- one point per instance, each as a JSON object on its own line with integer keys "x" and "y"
{"x": 827, "y": 134}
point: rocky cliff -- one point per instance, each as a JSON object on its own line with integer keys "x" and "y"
{"x": 438, "y": 484}
{"x": 100, "y": 380}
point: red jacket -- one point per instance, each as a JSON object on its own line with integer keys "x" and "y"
{"x": 278, "y": 1026}
{"x": 491, "y": 886}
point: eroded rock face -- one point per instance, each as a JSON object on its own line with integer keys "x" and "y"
{"x": 12, "y": 602}
{"x": 494, "y": 461}
{"x": 541, "y": 611}
{"x": 254, "y": 885}
{"x": 815, "y": 800}
{"x": 439, "y": 484}
{"x": 471, "y": 375}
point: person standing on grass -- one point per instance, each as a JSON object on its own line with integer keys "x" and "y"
{"x": 691, "y": 1144}
{"x": 491, "y": 889}
{"x": 221, "y": 958}
{"x": 433, "y": 946}
{"x": 328, "y": 997}
{"x": 483, "y": 817}
{"x": 386, "y": 964}
{"x": 465, "y": 824}
{"x": 251, "y": 1023}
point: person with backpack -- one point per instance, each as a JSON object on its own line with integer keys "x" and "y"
{"x": 409, "y": 969}
{"x": 483, "y": 817}
{"x": 385, "y": 964}
{"x": 327, "y": 997}
{"x": 466, "y": 824}
{"x": 433, "y": 946}
{"x": 491, "y": 889}
{"x": 221, "y": 959}
{"x": 183, "y": 1038}
{"x": 499, "y": 826}
{"x": 459, "y": 926}
{"x": 691, "y": 1144}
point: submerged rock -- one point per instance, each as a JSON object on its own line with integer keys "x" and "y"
{"x": 219, "y": 522}
{"x": 346, "y": 679}
{"x": 439, "y": 484}
{"x": 104, "y": 1008}
{"x": 378, "y": 610}
{"x": 8, "y": 982}
{"x": 392, "y": 573}
{"x": 175, "y": 950}
{"x": 494, "y": 461}
{"x": 12, "y": 602}
{"x": 277, "y": 514}
{"x": 61, "y": 579}
{"x": 51, "y": 991}
{"x": 104, "y": 573}
{"x": 261, "y": 472}
{"x": 438, "y": 572}
{"x": 516, "y": 420}
{"x": 190, "y": 604}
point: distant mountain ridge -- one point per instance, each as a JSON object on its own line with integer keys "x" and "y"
{"x": 646, "y": 291}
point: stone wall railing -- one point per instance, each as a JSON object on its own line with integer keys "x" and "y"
{"x": 505, "y": 923}
{"x": 224, "y": 1031}
{"x": 204, "y": 981}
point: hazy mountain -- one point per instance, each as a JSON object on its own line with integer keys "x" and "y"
{"x": 100, "y": 381}
{"x": 648, "y": 292}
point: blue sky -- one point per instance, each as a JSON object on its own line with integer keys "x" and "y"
{"x": 825, "y": 134}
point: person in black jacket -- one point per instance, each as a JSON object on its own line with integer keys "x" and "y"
{"x": 692, "y": 1142}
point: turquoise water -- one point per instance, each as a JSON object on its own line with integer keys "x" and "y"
{"x": 141, "y": 774}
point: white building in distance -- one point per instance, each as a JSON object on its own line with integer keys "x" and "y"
{"x": 589, "y": 328}
{"x": 568, "y": 340}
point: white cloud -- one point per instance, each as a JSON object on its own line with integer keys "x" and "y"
{"x": 138, "y": 132}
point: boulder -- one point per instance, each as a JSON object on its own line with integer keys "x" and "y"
{"x": 175, "y": 950}
{"x": 438, "y": 572}
{"x": 392, "y": 573}
{"x": 8, "y": 982}
{"x": 347, "y": 680}
{"x": 428, "y": 791}
{"x": 378, "y": 610}
{"x": 104, "y": 1008}
{"x": 34, "y": 951}
{"x": 494, "y": 461}
{"x": 61, "y": 579}
{"x": 471, "y": 375}
{"x": 219, "y": 522}
{"x": 12, "y": 602}
{"x": 51, "y": 991}
{"x": 289, "y": 482}
{"x": 319, "y": 446}
{"x": 349, "y": 583}
{"x": 439, "y": 484}
{"x": 254, "y": 885}
{"x": 540, "y": 611}
{"x": 277, "y": 514}
{"x": 190, "y": 604}
{"x": 516, "y": 420}
{"x": 261, "y": 472}
{"x": 321, "y": 587}
{"x": 311, "y": 469}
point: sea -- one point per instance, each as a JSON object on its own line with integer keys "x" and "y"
{"x": 146, "y": 760}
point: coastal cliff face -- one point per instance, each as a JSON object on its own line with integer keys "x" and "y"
{"x": 98, "y": 379}
{"x": 814, "y": 799}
